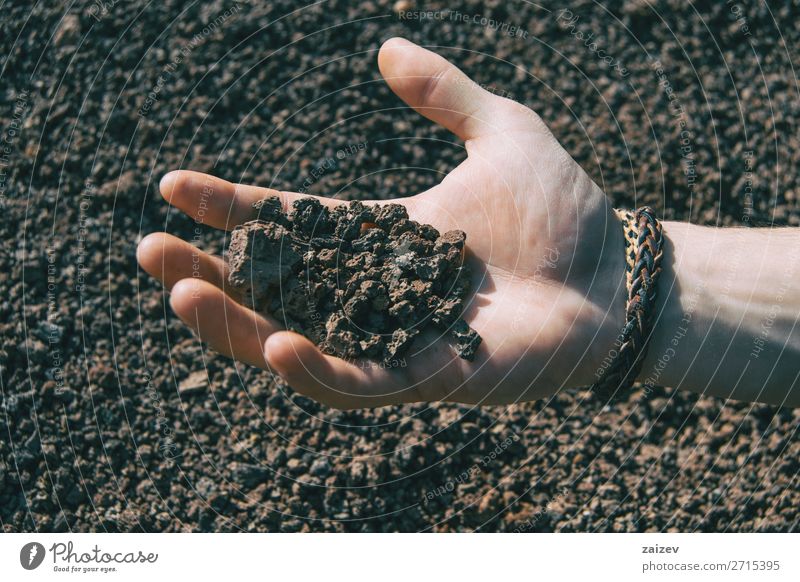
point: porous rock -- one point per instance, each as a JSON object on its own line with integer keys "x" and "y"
{"x": 358, "y": 280}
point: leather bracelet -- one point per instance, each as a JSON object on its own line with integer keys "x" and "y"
{"x": 644, "y": 244}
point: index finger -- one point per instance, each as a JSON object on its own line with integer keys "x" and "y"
{"x": 219, "y": 203}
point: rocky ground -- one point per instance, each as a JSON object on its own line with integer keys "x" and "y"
{"x": 115, "y": 418}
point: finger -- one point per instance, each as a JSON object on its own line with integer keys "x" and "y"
{"x": 331, "y": 380}
{"x": 219, "y": 203}
{"x": 171, "y": 259}
{"x": 227, "y": 327}
{"x": 441, "y": 92}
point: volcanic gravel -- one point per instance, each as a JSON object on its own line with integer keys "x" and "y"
{"x": 360, "y": 280}
{"x": 115, "y": 418}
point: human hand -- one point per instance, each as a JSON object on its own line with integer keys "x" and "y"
{"x": 543, "y": 240}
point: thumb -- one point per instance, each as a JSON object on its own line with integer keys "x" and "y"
{"x": 440, "y": 91}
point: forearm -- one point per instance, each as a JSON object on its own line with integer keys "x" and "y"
{"x": 728, "y": 314}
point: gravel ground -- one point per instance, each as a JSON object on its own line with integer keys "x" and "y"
{"x": 115, "y": 418}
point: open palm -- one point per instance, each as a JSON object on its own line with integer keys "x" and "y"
{"x": 544, "y": 245}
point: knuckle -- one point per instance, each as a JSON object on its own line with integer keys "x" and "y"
{"x": 523, "y": 113}
{"x": 432, "y": 86}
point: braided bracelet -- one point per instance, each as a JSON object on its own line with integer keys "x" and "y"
{"x": 643, "y": 252}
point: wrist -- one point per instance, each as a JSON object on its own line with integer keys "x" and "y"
{"x": 681, "y": 307}
{"x": 726, "y": 311}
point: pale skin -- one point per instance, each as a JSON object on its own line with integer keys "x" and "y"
{"x": 546, "y": 248}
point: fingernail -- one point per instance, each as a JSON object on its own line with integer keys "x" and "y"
{"x": 167, "y": 182}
